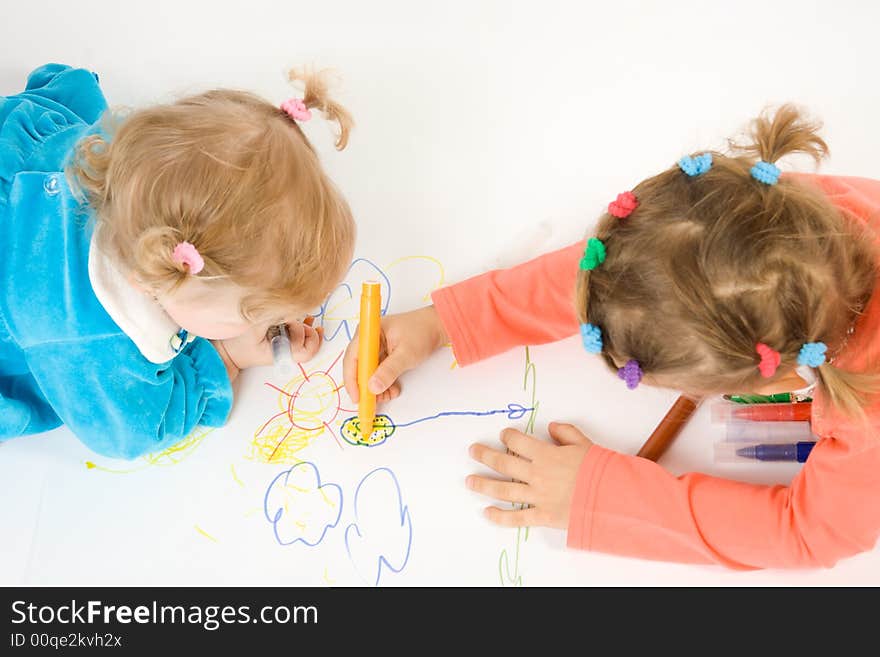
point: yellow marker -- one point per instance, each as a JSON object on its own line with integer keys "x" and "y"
{"x": 368, "y": 352}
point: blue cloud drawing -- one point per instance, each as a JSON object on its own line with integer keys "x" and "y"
{"x": 381, "y": 534}
{"x": 340, "y": 312}
{"x": 300, "y": 507}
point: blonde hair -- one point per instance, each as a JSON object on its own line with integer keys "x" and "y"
{"x": 708, "y": 266}
{"x": 235, "y": 176}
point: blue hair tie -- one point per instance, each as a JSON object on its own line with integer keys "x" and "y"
{"x": 765, "y": 172}
{"x": 694, "y": 166}
{"x": 591, "y": 336}
{"x": 812, "y": 354}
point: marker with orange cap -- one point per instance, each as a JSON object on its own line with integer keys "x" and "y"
{"x": 368, "y": 352}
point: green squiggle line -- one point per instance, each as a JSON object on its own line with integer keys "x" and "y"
{"x": 522, "y": 533}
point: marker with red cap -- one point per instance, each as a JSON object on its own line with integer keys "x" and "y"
{"x": 799, "y": 412}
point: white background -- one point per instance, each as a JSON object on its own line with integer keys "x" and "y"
{"x": 486, "y": 133}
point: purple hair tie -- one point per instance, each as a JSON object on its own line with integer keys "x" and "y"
{"x": 631, "y": 373}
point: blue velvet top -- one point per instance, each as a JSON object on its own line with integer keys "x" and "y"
{"x": 62, "y": 358}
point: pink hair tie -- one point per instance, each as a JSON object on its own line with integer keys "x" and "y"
{"x": 770, "y": 360}
{"x": 188, "y": 255}
{"x": 296, "y": 109}
{"x": 624, "y": 205}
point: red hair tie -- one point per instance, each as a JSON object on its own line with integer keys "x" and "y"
{"x": 770, "y": 360}
{"x": 624, "y": 205}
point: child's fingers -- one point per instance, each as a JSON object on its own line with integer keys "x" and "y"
{"x": 311, "y": 342}
{"x": 513, "y": 518}
{"x": 395, "y": 363}
{"x": 296, "y": 332}
{"x": 349, "y": 369}
{"x": 502, "y": 463}
{"x": 304, "y": 341}
{"x": 566, "y": 434}
{"x": 309, "y": 321}
{"x": 500, "y": 490}
{"x": 392, "y": 393}
{"x": 520, "y": 443}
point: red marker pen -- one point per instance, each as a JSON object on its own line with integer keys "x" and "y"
{"x": 800, "y": 412}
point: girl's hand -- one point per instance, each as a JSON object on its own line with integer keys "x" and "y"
{"x": 406, "y": 340}
{"x": 544, "y": 474}
{"x": 305, "y": 340}
{"x": 253, "y": 348}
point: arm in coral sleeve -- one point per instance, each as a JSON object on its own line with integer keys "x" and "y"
{"x": 532, "y": 303}
{"x": 631, "y": 506}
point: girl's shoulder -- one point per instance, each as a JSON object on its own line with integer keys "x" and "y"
{"x": 859, "y": 197}
{"x": 39, "y": 125}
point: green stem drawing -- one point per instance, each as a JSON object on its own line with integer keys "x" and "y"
{"x": 507, "y": 577}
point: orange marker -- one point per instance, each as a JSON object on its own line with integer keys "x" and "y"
{"x": 368, "y": 352}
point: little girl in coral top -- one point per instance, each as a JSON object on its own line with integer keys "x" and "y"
{"x": 717, "y": 275}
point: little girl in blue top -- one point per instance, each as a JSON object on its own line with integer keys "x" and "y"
{"x": 145, "y": 256}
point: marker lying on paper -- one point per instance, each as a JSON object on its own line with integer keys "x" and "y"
{"x": 773, "y": 452}
{"x": 778, "y": 398}
{"x": 669, "y": 428}
{"x": 798, "y": 412}
{"x": 768, "y": 432}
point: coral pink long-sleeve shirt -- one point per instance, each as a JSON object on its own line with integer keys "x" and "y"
{"x": 631, "y": 506}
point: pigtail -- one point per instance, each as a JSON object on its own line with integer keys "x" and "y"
{"x": 87, "y": 172}
{"x": 153, "y": 257}
{"x": 772, "y": 136}
{"x": 582, "y": 296}
{"x": 316, "y": 96}
{"x": 849, "y": 391}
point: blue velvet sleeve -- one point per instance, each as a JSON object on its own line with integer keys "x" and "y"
{"x": 123, "y": 406}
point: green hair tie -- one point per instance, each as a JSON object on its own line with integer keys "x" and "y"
{"x": 594, "y": 254}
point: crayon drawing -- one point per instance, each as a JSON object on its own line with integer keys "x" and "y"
{"x": 508, "y": 573}
{"x": 384, "y": 426}
{"x": 338, "y": 315}
{"x": 380, "y": 538}
{"x": 310, "y": 405}
{"x": 169, "y": 456}
{"x": 300, "y": 507}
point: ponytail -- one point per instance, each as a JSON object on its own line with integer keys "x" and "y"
{"x": 786, "y": 131}
{"x": 316, "y": 96}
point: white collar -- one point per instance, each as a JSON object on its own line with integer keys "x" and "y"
{"x": 140, "y": 317}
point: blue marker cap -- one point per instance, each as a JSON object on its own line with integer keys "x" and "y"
{"x": 778, "y": 452}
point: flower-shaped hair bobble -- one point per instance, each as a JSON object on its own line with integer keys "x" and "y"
{"x": 631, "y": 373}
{"x": 187, "y": 255}
{"x": 591, "y": 336}
{"x": 770, "y": 360}
{"x": 812, "y": 354}
{"x": 594, "y": 254}
{"x": 296, "y": 109}
{"x": 695, "y": 166}
{"x": 765, "y": 172}
{"x": 624, "y": 205}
